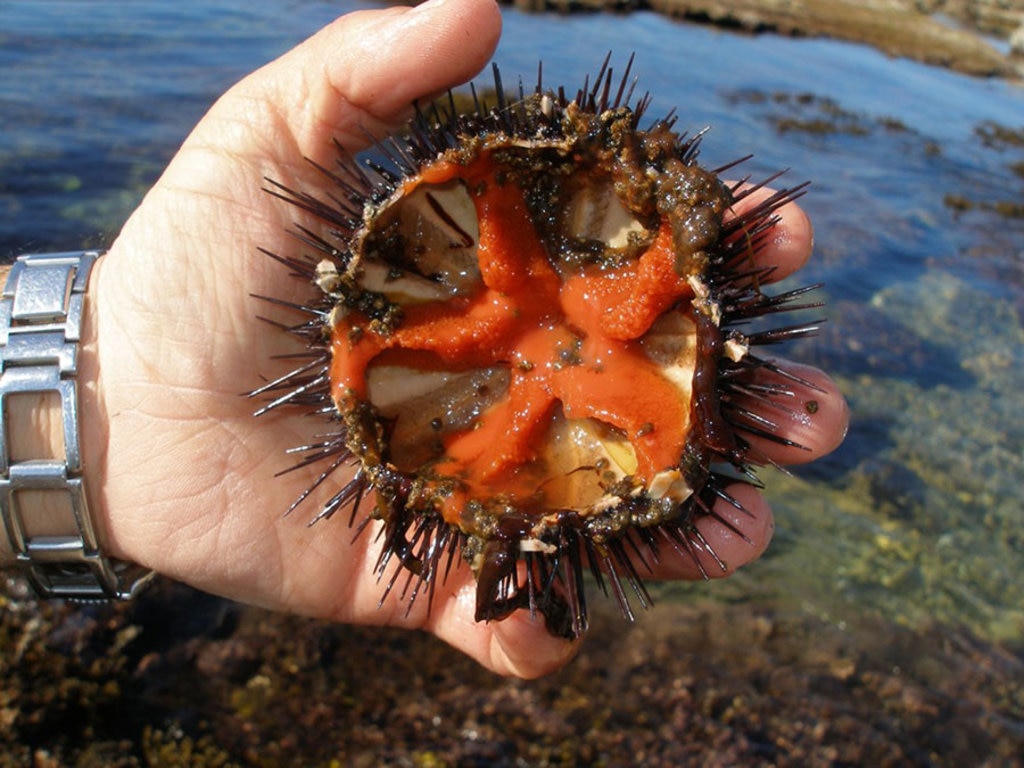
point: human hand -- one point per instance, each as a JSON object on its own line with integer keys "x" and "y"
{"x": 180, "y": 473}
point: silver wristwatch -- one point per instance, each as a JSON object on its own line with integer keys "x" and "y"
{"x": 40, "y": 324}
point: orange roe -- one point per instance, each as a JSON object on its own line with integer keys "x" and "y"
{"x": 572, "y": 343}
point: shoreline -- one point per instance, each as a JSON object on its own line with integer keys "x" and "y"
{"x": 954, "y": 34}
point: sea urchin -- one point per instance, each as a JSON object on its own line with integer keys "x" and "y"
{"x": 527, "y": 342}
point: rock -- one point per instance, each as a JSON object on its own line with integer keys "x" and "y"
{"x": 1017, "y": 42}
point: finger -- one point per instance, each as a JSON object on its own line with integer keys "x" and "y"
{"x": 736, "y": 534}
{"x": 788, "y": 245}
{"x": 362, "y": 73}
{"x": 807, "y": 411}
{"x": 445, "y": 43}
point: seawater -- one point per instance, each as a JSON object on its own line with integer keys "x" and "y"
{"x": 918, "y": 518}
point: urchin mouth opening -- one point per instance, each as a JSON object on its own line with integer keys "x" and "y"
{"x": 533, "y": 343}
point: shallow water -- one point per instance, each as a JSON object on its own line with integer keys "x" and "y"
{"x": 917, "y": 520}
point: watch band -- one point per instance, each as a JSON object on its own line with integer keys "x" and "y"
{"x": 40, "y": 325}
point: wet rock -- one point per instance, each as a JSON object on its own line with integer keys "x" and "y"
{"x": 915, "y": 30}
{"x": 1017, "y": 42}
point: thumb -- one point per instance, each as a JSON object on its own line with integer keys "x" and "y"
{"x": 363, "y": 71}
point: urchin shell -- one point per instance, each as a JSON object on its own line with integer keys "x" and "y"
{"x": 528, "y": 339}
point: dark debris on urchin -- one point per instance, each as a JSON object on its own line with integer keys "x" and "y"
{"x": 419, "y": 549}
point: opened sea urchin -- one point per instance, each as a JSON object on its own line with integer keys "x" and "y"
{"x": 527, "y": 341}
